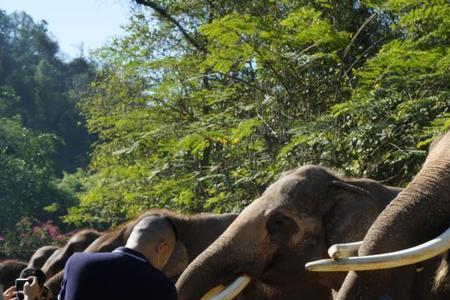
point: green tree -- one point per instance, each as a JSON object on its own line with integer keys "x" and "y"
{"x": 45, "y": 90}
{"x": 193, "y": 106}
{"x": 25, "y": 181}
{"x": 401, "y": 101}
{"x": 42, "y": 133}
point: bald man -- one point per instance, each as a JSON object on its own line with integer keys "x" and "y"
{"x": 130, "y": 272}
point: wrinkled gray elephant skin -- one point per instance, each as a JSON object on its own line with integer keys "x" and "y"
{"x": 77, "y": 243}
{"x": 294, "y": 221}
{"x": 10, "y": 270}
{"x": 418, "y": 214}
{"x": 40, "y": 256}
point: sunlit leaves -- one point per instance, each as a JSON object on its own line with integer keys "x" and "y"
{"x": 311, "y": 29}
{"x": 401, "y": 102}
{"x": 26, "y": 178}
{"x": 280, "y": 84}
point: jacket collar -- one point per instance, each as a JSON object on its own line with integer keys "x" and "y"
{"x": 132, "y": 253}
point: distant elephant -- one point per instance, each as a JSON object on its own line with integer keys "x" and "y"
{"x": 10, "y": 270}
{"x": 77, "y": 243}
{"x": 416, "y": 215}
{"x": 194, "y": 234}
{"x": 40, "y": 256}
{"x": 294, "y": 221}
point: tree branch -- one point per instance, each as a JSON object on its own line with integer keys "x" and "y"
{"x": 164, "y": 14}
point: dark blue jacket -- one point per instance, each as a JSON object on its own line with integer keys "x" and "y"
{"x": 123, "y": 274}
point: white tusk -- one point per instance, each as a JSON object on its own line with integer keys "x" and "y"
{"x": 230, "y": 292}
{"x": 389, "y": 260}
{"x": 344, "y": 250}
{"x": 212, "y": 292}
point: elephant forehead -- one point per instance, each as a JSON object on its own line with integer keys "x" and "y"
{"x": 294, "y": 190}
{"x": 300, "y": 182}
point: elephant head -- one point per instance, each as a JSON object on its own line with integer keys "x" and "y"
{"x": 40, "y": 256}
{"x": 78, "y": 242}
{"x": 292, "y": 222}
{"x": 10, "y": 270}
{"x": 416, "y": 215}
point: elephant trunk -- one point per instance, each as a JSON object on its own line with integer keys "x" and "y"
{"x": 209, "y": 269}
{"x": 230, "y": 256}
{"x": 419, "y": 213}
{"x": 54, "y": 283}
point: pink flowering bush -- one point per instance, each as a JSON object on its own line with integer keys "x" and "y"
{"x": 29, "y": 235}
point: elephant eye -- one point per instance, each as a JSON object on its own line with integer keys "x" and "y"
{"x": 280, "y": 224}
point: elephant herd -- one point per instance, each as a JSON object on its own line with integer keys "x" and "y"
{"x": 194, "y": 234}
{"x": 309, "y": 214}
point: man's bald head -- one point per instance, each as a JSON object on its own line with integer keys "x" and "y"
{"x": 154, "y": 236}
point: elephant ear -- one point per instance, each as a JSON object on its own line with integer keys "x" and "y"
{"x": 349, "y": 211}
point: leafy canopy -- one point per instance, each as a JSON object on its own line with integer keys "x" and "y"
{"x": 200, "y": 110}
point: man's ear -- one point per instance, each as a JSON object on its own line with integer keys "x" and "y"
{"x": 161, "y": 246}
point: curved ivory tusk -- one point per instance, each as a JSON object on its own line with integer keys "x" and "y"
{"x": 344, "y": 250}
{"x": 212, "y": 292}
{"x": 389, "y": 260}
{"x": 231, "y": 291}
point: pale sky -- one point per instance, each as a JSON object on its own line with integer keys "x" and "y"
{"x": 73, "y": 23}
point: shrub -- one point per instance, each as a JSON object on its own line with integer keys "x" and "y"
{"x": 29, "y": 235}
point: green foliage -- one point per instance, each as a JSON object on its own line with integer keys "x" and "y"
{"x": 25, "y": 181}
{"x": 205, "y": 123}
{"x": 402, "y": 100}
{"x": 27, "y": 236}
{"x": 41, "y": 132}
{"x": 37, "y": 85}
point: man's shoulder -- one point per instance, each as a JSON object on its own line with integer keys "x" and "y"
{"x": 161, "y": 285}
{"x": 83, "y": 255}
{"x": 80, "y": 257}
{"x": 159, "y": 276}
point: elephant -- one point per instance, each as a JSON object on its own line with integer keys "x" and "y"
{"x": 77, "y": 243}
{"x": 415, "y": 216}
{"x": 40, "y": 256}
{"x": 194, "y": 234}
{"x": 294, "y": 221}
{"x": 10, "y": 270}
